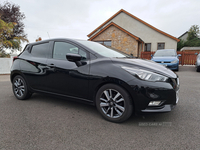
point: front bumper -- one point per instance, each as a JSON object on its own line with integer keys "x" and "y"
{"x": 165, "y": 108}
{"x": 146, "y": 92}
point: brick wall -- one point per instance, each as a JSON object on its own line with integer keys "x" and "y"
{"x": 120, "y": 40}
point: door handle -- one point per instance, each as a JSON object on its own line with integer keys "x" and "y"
{"x": 51, "y": 65}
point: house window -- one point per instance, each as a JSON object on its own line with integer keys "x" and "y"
{"x": 147, "y": 47}
{"x": 161, "y": 45}
{"x": 106, "y": 43}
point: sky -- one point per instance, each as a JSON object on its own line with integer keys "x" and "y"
{"x": 77, "y": 18}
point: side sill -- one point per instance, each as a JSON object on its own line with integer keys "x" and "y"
{"x": 66, "y": 96}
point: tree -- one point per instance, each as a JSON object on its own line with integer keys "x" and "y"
{"x": 6, "y": 30}
{"x": 10, "y": 14}
{"x": 192, "y": 43}
{"x": 193, "y": 32}
{"x": 180, "y": 44}
{"x": 192, "y": 39}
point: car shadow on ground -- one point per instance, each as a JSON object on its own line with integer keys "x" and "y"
{"x": 145, "y": 119}
{"x": 62, "y": 102}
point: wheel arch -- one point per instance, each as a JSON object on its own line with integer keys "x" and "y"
{"x": 15, "y": 73}
{"x": 118, "y": 82}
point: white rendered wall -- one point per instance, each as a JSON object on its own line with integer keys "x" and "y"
{"x": 147, "y": 34}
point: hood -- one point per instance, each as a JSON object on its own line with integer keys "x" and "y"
{"x": 146, "y": 65}
{"x": 169, "y": 58}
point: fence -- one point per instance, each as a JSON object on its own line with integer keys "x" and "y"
{"x": 5, "y": 64}
{"x": 186, "y": 58}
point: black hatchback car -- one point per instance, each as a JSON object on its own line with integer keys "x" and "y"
{"x": 115, "y": 83}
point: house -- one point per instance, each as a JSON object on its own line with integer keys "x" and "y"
{"x": 132, "y": 35}
{"x": 184, "y": 36}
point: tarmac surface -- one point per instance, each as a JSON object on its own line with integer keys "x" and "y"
{"x": 49, "y": 123}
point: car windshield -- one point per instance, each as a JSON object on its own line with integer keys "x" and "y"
{"x": 164, "y": 53}
{"x": 102, "y": 50}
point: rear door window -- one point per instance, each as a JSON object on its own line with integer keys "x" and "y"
{"x": 40, "y": 50}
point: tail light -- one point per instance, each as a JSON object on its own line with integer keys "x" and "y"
{"x": 15, "y": 58}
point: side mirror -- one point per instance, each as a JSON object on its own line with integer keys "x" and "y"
{"x": 74, "y": 58}
{"x": 151, "y": 55}
{"x": 179, "y": 55}
{"x": 196, "y": 53}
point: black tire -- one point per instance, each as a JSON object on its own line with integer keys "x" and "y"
{"x": 116, "y": 106}
{"x": 20, "y": 88}
{"x": 198, "y": 69}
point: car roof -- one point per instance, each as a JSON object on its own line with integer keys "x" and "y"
{"x": 55, "y": 39}
{"x": 76, "y": 41}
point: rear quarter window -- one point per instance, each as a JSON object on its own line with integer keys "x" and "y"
{"x": 40, "y": 50}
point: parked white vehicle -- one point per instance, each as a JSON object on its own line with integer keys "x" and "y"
{"x": 197, "y": 64}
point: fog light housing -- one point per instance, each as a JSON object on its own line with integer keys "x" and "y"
{"x": 154, "y": 103}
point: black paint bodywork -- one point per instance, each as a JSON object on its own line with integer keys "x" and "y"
{"x": 66, "y": 78}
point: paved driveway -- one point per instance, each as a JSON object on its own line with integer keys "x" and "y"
{"x": 49, "y": 123}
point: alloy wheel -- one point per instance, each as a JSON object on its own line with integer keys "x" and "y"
{"x": 112, "y": 103}
{"x": 19, "y": 87}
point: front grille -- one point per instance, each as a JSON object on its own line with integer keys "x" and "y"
{"x": 163, "y": 61}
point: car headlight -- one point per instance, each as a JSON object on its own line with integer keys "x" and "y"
{"x": 145, "y": 75}
{"x": 174, "y": 61}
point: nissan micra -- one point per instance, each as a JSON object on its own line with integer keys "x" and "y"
{"x": 86, "y": 71}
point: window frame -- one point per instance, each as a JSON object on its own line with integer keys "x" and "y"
{"x": 146, "y": 47}
{"x": 161, "y": 43}
{"x": 102, "y": 42}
